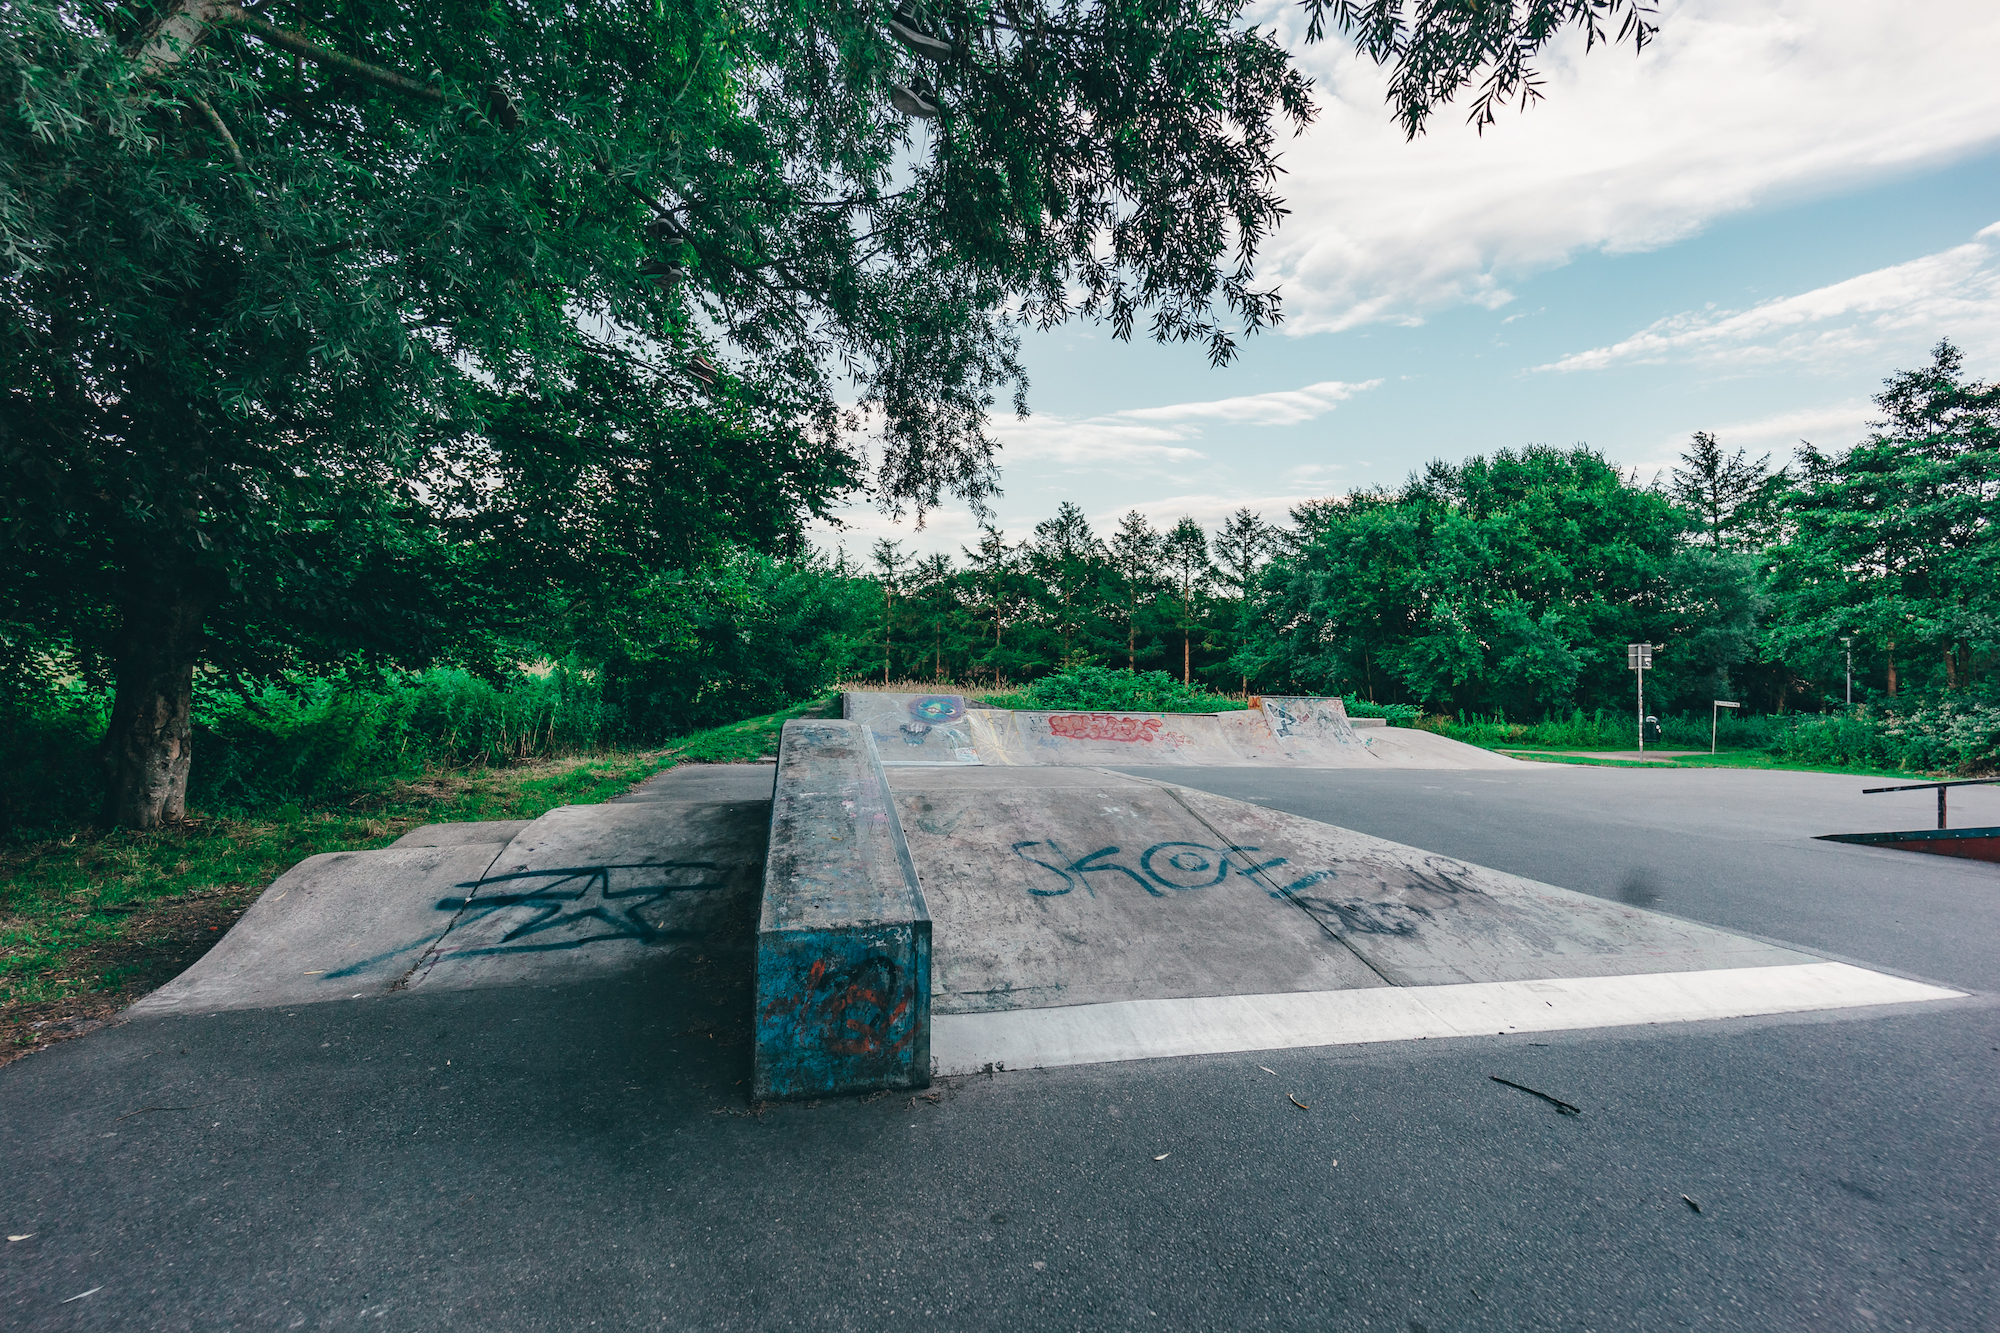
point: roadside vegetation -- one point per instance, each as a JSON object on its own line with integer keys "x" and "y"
{"x": 93, "y": 918}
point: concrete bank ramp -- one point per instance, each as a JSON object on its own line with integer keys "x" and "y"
{"x": 1081, "y": 916}
{"x": 1294, "y": 732}
{"x": 580, "y": 891}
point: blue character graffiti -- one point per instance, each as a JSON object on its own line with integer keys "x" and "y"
{"x": 537, "y": 911}
{"x": 1166, "y": 868}
{"x": 939, "y": 713}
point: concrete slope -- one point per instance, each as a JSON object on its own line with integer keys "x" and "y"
{"x": 1080, "y": 887}
{"x": 1092, "y": 915}
{"x": 929, "y": 730}
{"x": 588, "y": 889}
{"x": 581, "y": 891}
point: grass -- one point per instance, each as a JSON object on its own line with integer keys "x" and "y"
{"x": 1752, "y": 759}
{"x": 90, "y": 921}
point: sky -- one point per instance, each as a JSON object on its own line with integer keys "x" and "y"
{"x": 1743, "y": 230}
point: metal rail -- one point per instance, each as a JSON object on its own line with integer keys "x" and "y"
{"x": 1939, "y": 786}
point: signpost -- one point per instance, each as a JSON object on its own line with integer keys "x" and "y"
{"x": 1639, "y": 656}
{"x": 1847, "y": 641}
{"x": 1714, "y": 716}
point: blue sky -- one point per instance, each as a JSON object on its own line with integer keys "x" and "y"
{"x": 1743, "y": 230}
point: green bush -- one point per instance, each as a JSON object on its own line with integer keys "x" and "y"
{"x": 1604, "y": 730}
{"x": 1946, "y": 736}
{"x": 1117, "y": 690}
{"x": 1398, "y": 715}
{"x": 747, "y": 638}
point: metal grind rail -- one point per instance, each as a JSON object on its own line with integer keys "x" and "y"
{"x": 1939, "y": 786}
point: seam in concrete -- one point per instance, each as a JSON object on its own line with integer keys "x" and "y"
{"x": 1276, "y": 890}
{"x": 429, "y": 957}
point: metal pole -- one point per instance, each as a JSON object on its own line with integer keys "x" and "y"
{"x": 1642, "y": 706}
{"x": 1714, "y": 719}
{"x": 1849, "y": 644}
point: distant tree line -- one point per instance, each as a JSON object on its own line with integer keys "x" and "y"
{"x": 1510, "y": 584}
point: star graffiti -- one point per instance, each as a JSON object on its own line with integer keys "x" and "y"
{"x": 613, "y": 898}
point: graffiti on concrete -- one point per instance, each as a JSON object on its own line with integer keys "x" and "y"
{"x": 565, "y": 908}
{"x": 856, "y": 1007}
{"x": 936, "y": 709}
{"x": 936, "y": 712}
{"x": 1163, "y": 866}
{"x": 585, "y": 904}
{"x": 1168, "y": 867}
{"x": 1103, "y": 727}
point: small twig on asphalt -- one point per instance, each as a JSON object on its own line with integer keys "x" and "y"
{"x": 1562, "y": 1106}
{"x": 1296, "y": 1102}
{"x": 1690, "y": 1203}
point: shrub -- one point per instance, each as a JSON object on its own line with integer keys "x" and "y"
{"x": 1398, "y": 715}
{"x": 1094, "y": 687}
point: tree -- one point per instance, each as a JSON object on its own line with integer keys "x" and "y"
{"x": 292, "y": 302}
{"x": 890, "y": 560}
{"x": 937, "y": 584}
{"x": 1066, "y": 557}
{"x": 1240, "y": 548}
{"x": 1509, "y": 582}
{"x": 995, "y": 576}
{"x": 1185, "y": 555}
{"x": 1895, "y": 540}
{"x": 1134, "y": 554}
{"x": 1717, "y": 487}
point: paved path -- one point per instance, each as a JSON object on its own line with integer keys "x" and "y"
{"x": 563, "y": 1158}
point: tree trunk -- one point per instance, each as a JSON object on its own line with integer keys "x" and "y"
{"x": 146, "y": 751}
{"x": 1892, "y": 668}
{"x": 1187, "y": 653}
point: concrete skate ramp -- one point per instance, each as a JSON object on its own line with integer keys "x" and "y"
{"x": 1057, "y": 897}
{"x": 581, "y": 890}
{"x": 1295, "y": 732}
{"x": 913, "y": 728}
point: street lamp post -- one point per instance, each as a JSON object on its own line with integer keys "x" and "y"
{"x": 1639, "y": 656}
{"x": 1714, "y": 718}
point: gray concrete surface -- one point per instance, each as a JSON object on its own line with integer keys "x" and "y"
{"x": 583, "y": 1156}
{"x": 1055, "y": 886}
{"x": 335, "y": 926}
{"x": 499, "y": 831}
{"x": 705, "y": 782}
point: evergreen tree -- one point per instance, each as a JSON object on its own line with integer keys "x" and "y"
{"x": 890, "y": 561}
{"x": 936, "y": 581}
{"x": 1185, "y": 556}
{"x": 1134, "y": 553}
{"x": 1240, "y": 550}
{"x": 1895, "y": 539}
{"x": 1066, "y": 559}
{"x": 1715, "y": 486}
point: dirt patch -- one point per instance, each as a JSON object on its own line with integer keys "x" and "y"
{"x": 159, "y": 942}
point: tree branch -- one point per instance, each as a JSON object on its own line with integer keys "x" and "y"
{"x": 236, "y": 16}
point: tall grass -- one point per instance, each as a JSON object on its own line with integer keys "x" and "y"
{"x": 1925, "y": 736}
{"x": 302, "y": 741}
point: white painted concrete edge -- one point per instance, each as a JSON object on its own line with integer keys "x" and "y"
{"x": 1149, "y": 1029}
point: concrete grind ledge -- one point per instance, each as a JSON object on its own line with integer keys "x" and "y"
{"x": 844, "y": 936}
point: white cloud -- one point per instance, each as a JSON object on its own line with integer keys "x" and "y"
{"x": 1740, "y": 102}
{"x": 1156, "y": 435}
{"x": 1286, "y": 407}
{"x": 1955, "y": 292}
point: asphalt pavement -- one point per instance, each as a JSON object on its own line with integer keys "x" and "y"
{"x": 587, "y": 1156}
